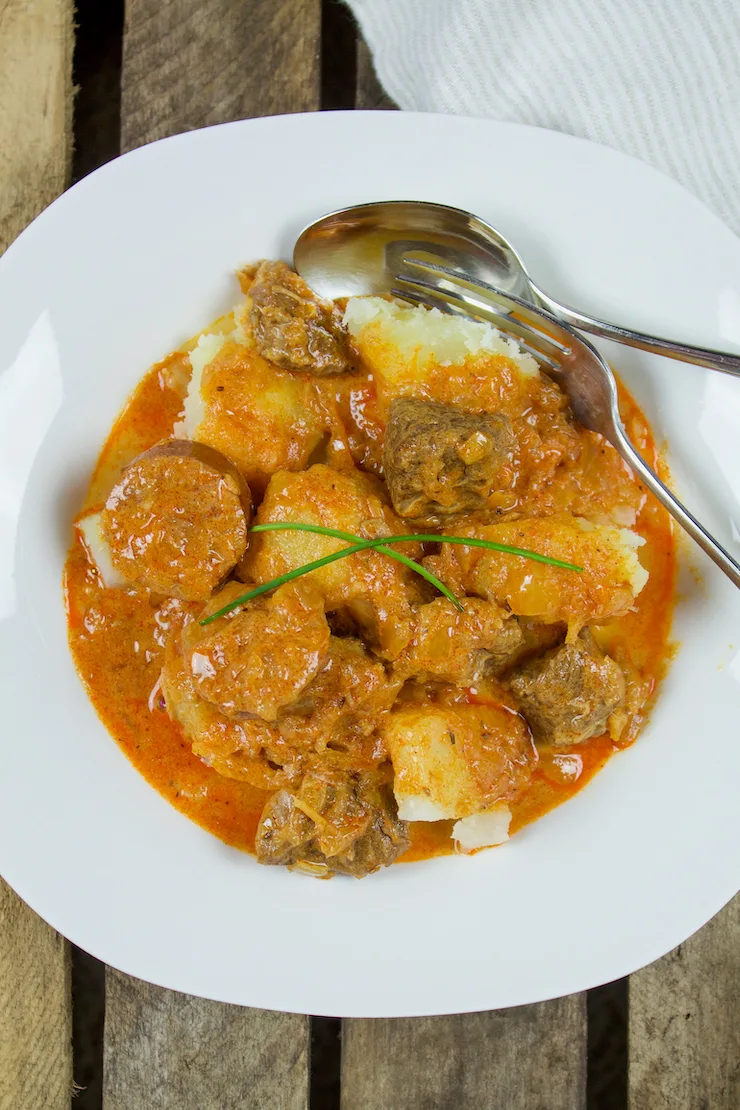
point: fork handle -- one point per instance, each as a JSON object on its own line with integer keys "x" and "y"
{"x": 679, "y": 512}
{"x": 684, "y": 352}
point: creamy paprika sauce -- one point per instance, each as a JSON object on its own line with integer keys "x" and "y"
{"x": 118, "y": 635}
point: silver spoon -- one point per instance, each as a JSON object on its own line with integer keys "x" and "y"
{"x": 361, "y": 249}
{"x": 572, "y": 361}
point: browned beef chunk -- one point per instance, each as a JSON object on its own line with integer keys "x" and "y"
{"x": 294, "y": 328}
{"x": 535, "y": 638}
{"x": 568, "y": 694}
{"x": 440, "y": 460}
{"x": 459, "y": 647}
{"x": 337, "y": 822}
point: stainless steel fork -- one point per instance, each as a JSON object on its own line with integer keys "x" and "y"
{"x": 568, "y": 358}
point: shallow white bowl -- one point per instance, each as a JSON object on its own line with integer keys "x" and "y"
{"x": 123, "y": 268}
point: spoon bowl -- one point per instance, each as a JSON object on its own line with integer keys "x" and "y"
{"x": 360, "y": 250}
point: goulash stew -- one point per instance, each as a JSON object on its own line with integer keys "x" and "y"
{"x": 408, "y": 699}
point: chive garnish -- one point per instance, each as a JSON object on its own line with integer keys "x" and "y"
{"x": 379, "y": 545}
{"x": 357, "y": 544}
{"x": 298, "y": 572}
{"x": 419, "y": 537}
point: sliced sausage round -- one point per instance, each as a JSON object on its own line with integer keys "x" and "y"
{"x": 176, "y": 522}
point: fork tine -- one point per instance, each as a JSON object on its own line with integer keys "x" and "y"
{"x": 473, "y": 306}
{"x": 429, "y": 301}
{"x": 435, "y": 299}
{"x": 532, "y": 317}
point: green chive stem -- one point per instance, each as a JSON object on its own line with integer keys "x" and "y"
{"x": 421, "y": 537}
{"x": 378, "y": 545}
{"x": 298, "y": 572}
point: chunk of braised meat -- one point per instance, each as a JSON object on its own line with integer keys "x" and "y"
{"x": 460, "y": 647}
{"x": 293, "y": 327}
{"x": 569, "y": 694}
{"x": 336, "y": 822}
{"x": 536, "y": 638}
{"x": 338, "y": 715}
{"x": 258, "y": 659}
{"x": 439, "y": 460}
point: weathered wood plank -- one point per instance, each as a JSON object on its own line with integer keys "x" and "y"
{"x": 35, "y": 155}
{"x": 190, "y": 63}
{"x": 36, "y": 41}
{"x": 167, "y": 1051}
{"x": 684, "y": 1033}
{"x": 529, "y": 1058}
{"x": 187, "y": 64}
{"x": 370, "y": 93}
{"x": 35, "y": 1010}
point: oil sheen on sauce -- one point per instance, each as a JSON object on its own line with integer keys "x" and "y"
{"x": 117, "y": 639}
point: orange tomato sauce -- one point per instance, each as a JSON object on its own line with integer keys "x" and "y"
{"x": 117, "y": 640}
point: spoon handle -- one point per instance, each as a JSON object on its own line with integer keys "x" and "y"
{"x": 679, "y": 512}
{"x": 684, "y": 352}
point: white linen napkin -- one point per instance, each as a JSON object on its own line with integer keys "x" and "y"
{"x": 659, "y": 79}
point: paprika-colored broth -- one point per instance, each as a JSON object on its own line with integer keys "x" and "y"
{"x": 117, "y": 636}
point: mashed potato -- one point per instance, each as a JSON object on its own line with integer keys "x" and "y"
{"x": 89, "y": 527}
{"x": 425, "y": 353}
{"x": 483, "y": 830}
{"x": 194, "y": 413}
{"x": 423, "y": 335}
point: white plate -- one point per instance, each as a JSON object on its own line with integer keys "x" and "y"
{"x": 124, "y": 267}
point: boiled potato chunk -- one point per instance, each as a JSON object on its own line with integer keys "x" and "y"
{"x": 483, "y": 830}
{"x": 453, "y": 762}
{"x": 261, "y": 417}
{"x": 89, "y": 527}
{"x": 375, "y": 590}
{"x": 460, "y": 647}
{"x": 606, "y": 587}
